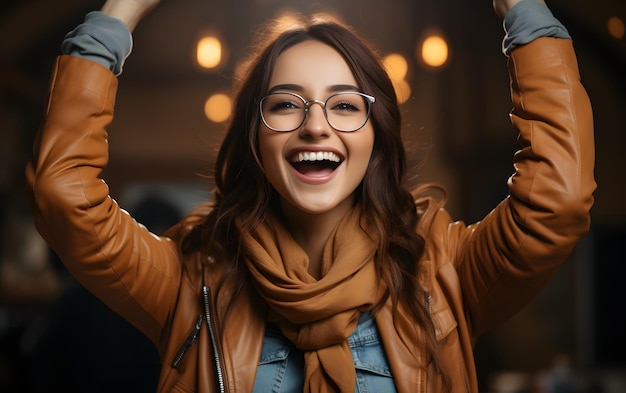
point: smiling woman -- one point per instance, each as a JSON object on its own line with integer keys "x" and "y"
{"x": 315, "y": 267}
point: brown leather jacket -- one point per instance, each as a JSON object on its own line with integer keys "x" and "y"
{"x": 477, "y": 275}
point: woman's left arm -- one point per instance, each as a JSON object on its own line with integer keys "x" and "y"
{"x": 505, "y": 259}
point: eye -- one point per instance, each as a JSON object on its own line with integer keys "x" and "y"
{"x": 282, "y": 106}
{"x": 347, "y": 103}
{"x": 282, "y": 103}
{"x": 345, "y": 106}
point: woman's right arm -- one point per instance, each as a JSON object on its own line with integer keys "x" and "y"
{"x": 134, "y": 272}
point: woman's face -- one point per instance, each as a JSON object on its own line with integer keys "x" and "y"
{"x": 325, "y": 183}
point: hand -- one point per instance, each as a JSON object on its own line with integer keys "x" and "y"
{"x": 129, "y": 11}
{"x": 503, "y": 6}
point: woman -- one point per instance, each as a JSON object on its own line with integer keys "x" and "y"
{"x": 315, "y": 268}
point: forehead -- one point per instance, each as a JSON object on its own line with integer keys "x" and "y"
{"x": 312, "y": 65}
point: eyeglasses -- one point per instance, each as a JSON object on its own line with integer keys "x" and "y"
{"x": 346, "y": 111}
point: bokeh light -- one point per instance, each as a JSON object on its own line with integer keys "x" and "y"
{"x": 209, "y": 52}
{"x": 434, "y": 51}
{"x": 396, "y": 66}
{"x": 615, "y": 26}
{"x": 217, "y": 107}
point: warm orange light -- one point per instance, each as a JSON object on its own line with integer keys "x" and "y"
{"x": 209, "y": 52}
{"x": 434, "y": 51}
{"x": 217, "y": 108}
{"x": 396, "y": 66}
{"x": 403, "y": 90}
{"x": 615, "y": 26}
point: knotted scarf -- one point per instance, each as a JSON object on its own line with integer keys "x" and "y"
{"x": 317, "y": 316}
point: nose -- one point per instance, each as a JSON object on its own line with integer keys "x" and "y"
{"x": 315, "y": 124}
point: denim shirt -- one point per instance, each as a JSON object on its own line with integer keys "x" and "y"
{"x": 281, "y": 363}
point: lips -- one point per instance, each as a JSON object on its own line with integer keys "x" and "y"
{"x": 315, "y": 163}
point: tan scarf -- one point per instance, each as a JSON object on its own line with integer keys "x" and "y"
{"x": 317, "y": 316}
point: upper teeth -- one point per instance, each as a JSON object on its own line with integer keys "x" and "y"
{"x": 316, "y": 156}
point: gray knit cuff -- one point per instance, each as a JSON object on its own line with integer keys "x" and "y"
{"x": 100, "y": 38}
{"x": 527, "y": 21}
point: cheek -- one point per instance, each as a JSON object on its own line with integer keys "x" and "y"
{"x": 270, "y": 150}
{"x": 264, "y": 144}
{"x": 363, "y": 146}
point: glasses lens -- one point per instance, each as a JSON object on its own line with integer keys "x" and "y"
{"x": 282, "y": 111}
{"x": 347, "y": 111}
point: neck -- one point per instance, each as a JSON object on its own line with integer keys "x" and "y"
{"x": 312, "y": 230}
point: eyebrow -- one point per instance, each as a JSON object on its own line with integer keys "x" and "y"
{"x": 298, "y": 88}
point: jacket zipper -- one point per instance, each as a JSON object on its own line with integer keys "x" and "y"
{"x": 206, "y": 295}
{"x": 193, "y": 336}
{"x": 429, "y": 309}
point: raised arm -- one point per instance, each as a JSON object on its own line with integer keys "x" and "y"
{"x": 504, "y": 260}
{"x": 134, "y": 272}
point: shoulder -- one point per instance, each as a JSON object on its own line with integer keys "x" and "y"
{"x": 443, "y": 236}
{"x": 433, "y": 216}
{"x": 188, "y": 235}
{"x": 191, "y": 223}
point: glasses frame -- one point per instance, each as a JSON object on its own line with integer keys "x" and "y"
{"x": 307, "y": 104}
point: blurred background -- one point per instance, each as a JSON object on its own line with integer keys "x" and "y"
{"x": 445, "y": 58}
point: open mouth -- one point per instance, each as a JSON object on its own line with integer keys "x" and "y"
{"x": 315, "y": 163}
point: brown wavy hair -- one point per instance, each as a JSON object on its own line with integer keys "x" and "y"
{"x": 243, "y": 196}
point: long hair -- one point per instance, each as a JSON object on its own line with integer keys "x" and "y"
{"x": 243, "y": 196}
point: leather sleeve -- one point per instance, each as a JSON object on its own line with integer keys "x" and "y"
{"x": 504, "y": 260}
{"x": 131, "y": 270}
